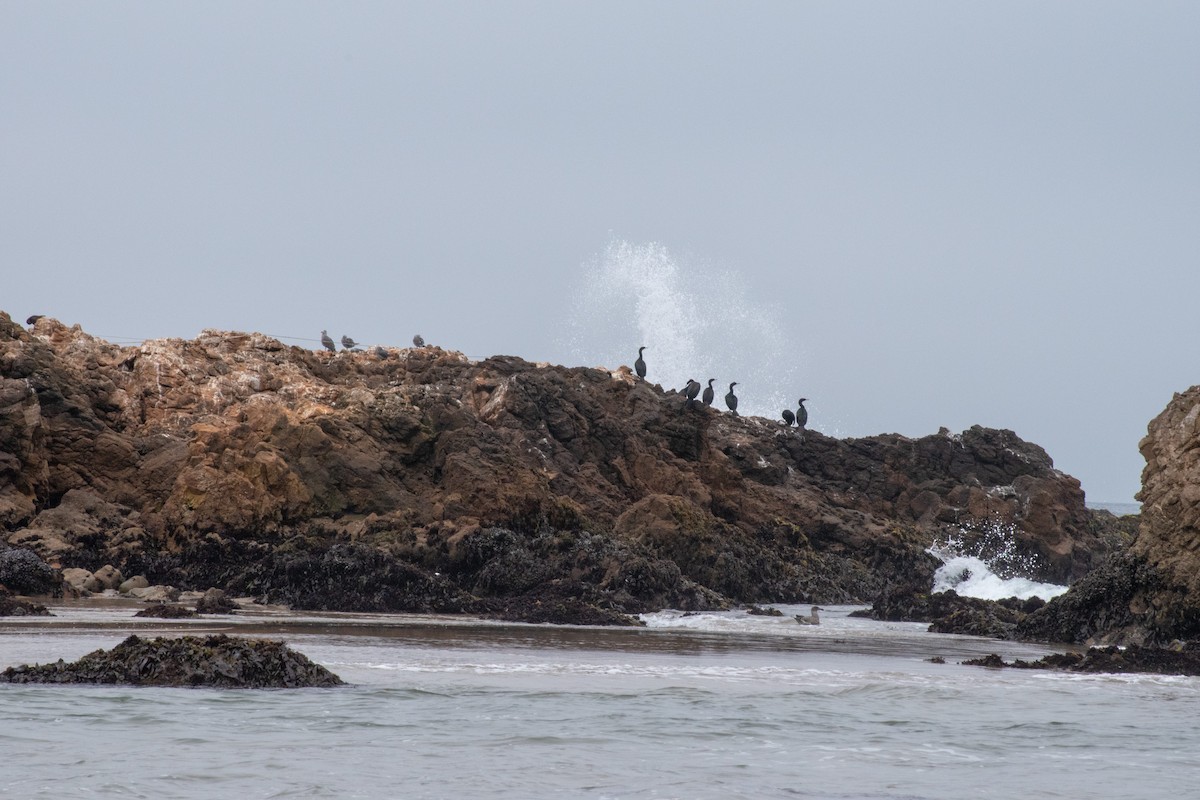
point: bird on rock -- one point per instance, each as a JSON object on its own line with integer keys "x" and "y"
{"x": 379, "y": 351}
{"x": 349, "y": 343}
{"x": 789, "y": 419}
{"x": 327, "y": 340}
{"x": 418, "y": 341}
{"x": 639, "y": 366}
{"x": 33, "y": 319}
{"x": 708, "y": 393}
{"x": 731, "y": 399}
{"x": 802, "y": 414}
{"x": 693, "y": 389}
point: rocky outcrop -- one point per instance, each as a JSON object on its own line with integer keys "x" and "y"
{"x": 15, "y": 607}
{"x": 427, "y": 481}
{"x": 1184, "y": 659}
{"x": 1150, "y": 594}
{"x": 219, "y": 661}
{"x": 948, "y": 612}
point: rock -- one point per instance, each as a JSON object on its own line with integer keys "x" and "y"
{"x": 215, "y": 601}
{"x": 24, "y": 572}
{"x": 1134, "y": 658}
{"x": 79, "y": 579}
{"x": 432, "y": 482}
{"x": 166, "y": 611}
{"x": 156, "y": 594}
{"x": 758, "y": 611}
{"x": 13, "y": 607}
{"x": 217, "y": 661}
{"x": 948, "y": 612}
{"x": 108, "y": 576}
{"x": 136, "y": 582}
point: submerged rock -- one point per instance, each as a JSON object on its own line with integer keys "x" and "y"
{"x": 165, "y": 611}
{"x": 217, "y": 661}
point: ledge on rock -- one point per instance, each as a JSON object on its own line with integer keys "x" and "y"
{"x": 219, "y": 661}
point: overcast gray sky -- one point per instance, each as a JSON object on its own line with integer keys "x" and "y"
{"x": 916, "y": 214}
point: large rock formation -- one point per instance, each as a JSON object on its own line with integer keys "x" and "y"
{"x": 1150, "y": 594}
{"x": 427, "y": 481}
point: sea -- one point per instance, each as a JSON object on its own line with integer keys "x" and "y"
{"x": 693, "y": 705}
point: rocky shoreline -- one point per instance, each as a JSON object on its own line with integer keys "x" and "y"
{"x": 418, "y": 480}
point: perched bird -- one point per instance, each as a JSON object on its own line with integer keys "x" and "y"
{"x": 731, "y": 399}
{"x": 708, "y": 393}
{"x": 33, "y": 320}
{"x": 812, "y": 618}
{"x": 349, "y": 343}
{"x": 802, "y": 414}
{"x": 379, "y": 351}
{"x": 639, "y": 366}
{"x": 692, "y": 389}
{"x": 418, "y": 341}
{"x": 328, "y": 342}
{"x": 789, "y": 419}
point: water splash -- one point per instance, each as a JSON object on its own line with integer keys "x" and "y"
{"x": 982, "y": 559}
{"x": 695, "y": 322}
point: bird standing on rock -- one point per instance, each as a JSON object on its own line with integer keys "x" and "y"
{"x": 692, "y": 389}
{"x": 379, "y": 351}
{"x": 731, "y": 399}
{"x": 349, "y": 343}
{"x": 418, "y": 341}
{"x": 327, "y": 340}
{"x": 639, "y": 366}
{"x": 802, "y": 414}
{"x": 708, "y": 393}
{"x": 789, "y": 419}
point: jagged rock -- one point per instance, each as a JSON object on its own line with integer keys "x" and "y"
{"x": 235, "y": 461}
{"x": 218, "y": 661}
{"x": 949, "y": 612}
{"x": 1134, "y": 658}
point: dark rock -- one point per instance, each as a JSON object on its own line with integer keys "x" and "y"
{"x": 14, "y": 607}
{"x": 218, "y": 661}
{"x": 215, "y": 601}
{"x": 1134, "y": 658}
{"x": 166, "y": 611}
{"x": 758, "y": 611}
{"x": 949, "y": 612}
{"x": 24, "y": 572}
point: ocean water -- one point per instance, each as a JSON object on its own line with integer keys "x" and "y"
{"x": 722, "y": 705}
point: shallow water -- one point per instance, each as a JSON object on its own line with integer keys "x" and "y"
{"x": 698, "y": 706}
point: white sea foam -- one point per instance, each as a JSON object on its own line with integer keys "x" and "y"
{"x": 695, "y": 322}
{"x": 982, "y": 560}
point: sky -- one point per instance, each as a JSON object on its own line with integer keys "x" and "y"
{"x": 917, "y": 214}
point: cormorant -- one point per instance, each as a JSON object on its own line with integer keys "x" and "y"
{"x": 789, "y": 419}
{"x": 812, "y": 618}
{"x": 639, "y": 366}
{"x": 708, "y": 393}
{"x": 731, "y": 399}
{"x": 802, "y": 414}
{"x": 418, "y": 341}
{"x": 328, "y": 342}
{"x": 692, "y": 389}
{"x": 349, "y": 343}
{"x": 33, "y": 320}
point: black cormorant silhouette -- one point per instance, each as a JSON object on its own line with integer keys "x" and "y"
{"x": 802, "y": 414}
{"x": 789, "y": 419}
{"x": 692, "y": 389}
{"x": 731, "y": 399}
{"x": 418, "y": 341}
{"x": 349, "y": 343}
{"x": 708, "y": 393}
{"x": 328, "y": 342}
{"x": 639, "y": 366}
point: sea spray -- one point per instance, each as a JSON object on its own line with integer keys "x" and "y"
{"x": 694, "y": 322}
{"x": 982, "y": 559}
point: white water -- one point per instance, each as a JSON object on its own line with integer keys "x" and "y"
{"x": 695, "y": 322}
{"x": 988, "y": 565}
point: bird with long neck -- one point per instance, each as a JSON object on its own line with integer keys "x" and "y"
{"x": 639, "y": 366}
{"x": 731, "y": 399}
{"x": 801, "y": 414}
{"x": 708, "y": 393}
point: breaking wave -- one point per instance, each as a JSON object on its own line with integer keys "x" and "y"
{"x": 983, "y": 561}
